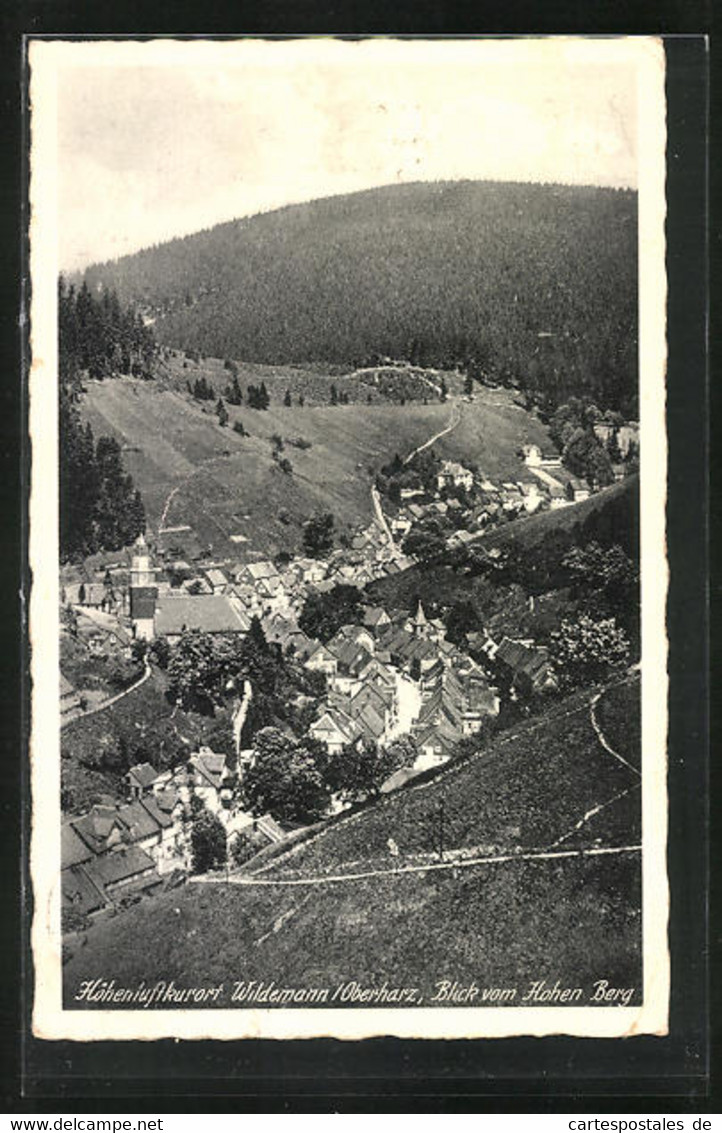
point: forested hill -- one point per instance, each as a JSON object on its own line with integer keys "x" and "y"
{"x": 532, "y": 285}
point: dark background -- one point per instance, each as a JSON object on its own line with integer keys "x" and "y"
{"x": 644, "y": 1074}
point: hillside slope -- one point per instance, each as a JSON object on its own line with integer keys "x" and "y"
{"x": 191, "y": 471}
{"x": 574, "y": 918}
{"x": 537, "y": 283}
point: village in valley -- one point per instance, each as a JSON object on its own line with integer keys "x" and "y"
{"x": 348, "y": 596}
{"x": 389, "y": 689}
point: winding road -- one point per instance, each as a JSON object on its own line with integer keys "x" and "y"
{"x": 72, "y": 716}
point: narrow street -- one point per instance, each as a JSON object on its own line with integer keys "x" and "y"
{"x": 408, "y": 700}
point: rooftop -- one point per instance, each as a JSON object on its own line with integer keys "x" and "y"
{"x": 207, "y": 613}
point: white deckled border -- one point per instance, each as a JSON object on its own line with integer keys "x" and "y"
{"x": 50, "y": 1021}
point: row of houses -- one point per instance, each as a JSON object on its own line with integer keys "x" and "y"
{"x": 399, "y": 675}
{"x": 492, "y": 502}
{"x": 118, "y": 853}
{"x": 221, "y": 601}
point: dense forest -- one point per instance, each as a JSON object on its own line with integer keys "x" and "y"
{"x": 533, "y": 286}
{"x": 100, "y": 507}
{"x": 99, "y": 338}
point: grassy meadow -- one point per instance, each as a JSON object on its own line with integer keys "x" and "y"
{"x": 575, "y": 919}
{"x": 224, "y": 484}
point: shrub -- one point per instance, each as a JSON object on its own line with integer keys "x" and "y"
{"x": 208, "y": 842}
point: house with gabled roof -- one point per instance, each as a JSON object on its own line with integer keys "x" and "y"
{"x": 375, "y": 617}
{"x": 382, "y": 700}
{"x": 176, "y": 614}
{"x": 250, "y": 574}
{"x": 577, "y": 489}
{"x": 73, "y": 850}
{"x": 141, "y": 826}
{"x": 335, "y": 730}
{"x": 401, "y": 525}
{"x": 167, "y": 810}
{"x": 321, "y": 660}
{"x": 125, "y": 872}
{"x": 206, "y": 770}
{"x": 371, "y": 723}
{"x": 452, "y": 474}
{"x": 245, "y": 599}
{"x": 524, "y": 657}
{"x": 309, "y": 570}
{"x": 352, "y": 634}
{"x": 100, "y": 829}
{"x": 217, "y": 580}
{"x": 436, "y": 745}
{"x": 378, "y": 672}
{"x": 79, "y": 893}
{"x": 140, "y": 779}
{"x": 352, "y": 657}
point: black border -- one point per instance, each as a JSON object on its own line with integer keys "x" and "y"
{"x": 326, "y": 1075}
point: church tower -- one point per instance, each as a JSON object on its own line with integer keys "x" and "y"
{"x": 143, "y": 592}
{"x": 420, "y": 623}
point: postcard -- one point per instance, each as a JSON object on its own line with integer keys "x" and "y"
{"x": 347, "y": 537}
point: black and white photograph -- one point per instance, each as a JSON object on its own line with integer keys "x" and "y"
{"x": 347, "y": 537}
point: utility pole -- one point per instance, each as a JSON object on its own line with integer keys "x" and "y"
{"x": 436, "y": 823}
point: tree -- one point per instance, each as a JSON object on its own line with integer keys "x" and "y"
{"x": 323, "y": 614}
{"x": 285, "y": 780}
{"x": 607, "y": 569}
{"x": 100, "y": 508}
{"x": 468, "y": 385}
{"x": 584, "y": 456}
{"x": 404, "y": 751}
{"x": 201, "y": 666}
{"x": 358, "y": 771}
{"x": 613, "y": 450}
{"x": 287, "y": 399}
{"x": 221, "y": 412}
{"x": 584, "y": 652}
{"x": 444, "y": 390}
{"x": 234, "y": 394}
{"x": 256, "y": 636}
{"x": 461, "y": 619}
{"x": 208, "y": 842}
{"x": 334, "y": 395}
{"x": 318, "y": 535}
{"x": 426, "y": 541}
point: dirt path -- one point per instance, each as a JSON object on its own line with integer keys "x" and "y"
{"x": 451, "y": 863}
{"x": 600, "y": 735}
{"x": 408, "y": 371}
{"x": 166, "y": 507}
{"x": 446, "y": 772}
{"x": 456, "y": 414}
{"x": 380, "y": 517}
{"x": 112, "y": 700}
